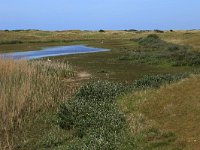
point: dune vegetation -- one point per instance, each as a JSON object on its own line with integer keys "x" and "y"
{"x": 142, "y": 94}
{"x": 165, "y": 118}
{"x": 28, "y": 88}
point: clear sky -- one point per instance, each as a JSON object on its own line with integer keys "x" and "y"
{"x": 99, "y": 14}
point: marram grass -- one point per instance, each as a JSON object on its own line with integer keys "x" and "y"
{"x": 28, "y": 87}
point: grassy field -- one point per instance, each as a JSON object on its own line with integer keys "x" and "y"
{"x": 142, "y": 94}
{"x": 102, "y": 65}
{"x": 165, "y": 118}
{"x": 36, "y": 39}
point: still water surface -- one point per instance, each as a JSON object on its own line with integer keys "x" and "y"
{"x": 52, "y": 51}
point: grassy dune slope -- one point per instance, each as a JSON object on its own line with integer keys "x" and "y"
{"x": 38, "y": 39}
{"x": 167, "y": 118}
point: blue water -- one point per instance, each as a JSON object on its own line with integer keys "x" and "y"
{"x": 52, "y": 51}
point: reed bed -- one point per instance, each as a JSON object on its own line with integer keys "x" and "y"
{"x": 26, "y": 88}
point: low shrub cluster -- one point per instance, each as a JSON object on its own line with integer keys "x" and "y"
{"x": 101, "y": 30}
{"x": 94, "y": 118}
{"x": 93, "y": 115}
{"x": 185, "y": 58}
{"x": 155, "y": 81}
{"x": 153, "y": 50}
{"x": 153, "y": 42}
{"x": 159, "y": 31}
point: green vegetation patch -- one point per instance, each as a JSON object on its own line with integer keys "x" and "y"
{"x": 93, "y": 119}
{"x": 93, "y": 115}
{"x": 153, "y": 50}
{"x": 155, "y": 81}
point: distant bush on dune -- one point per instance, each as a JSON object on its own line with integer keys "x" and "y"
{"x": 158, "y": 31}
{"x": 101, "y": 30}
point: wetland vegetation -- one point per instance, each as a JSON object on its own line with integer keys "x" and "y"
{"x": 143, "y": 94}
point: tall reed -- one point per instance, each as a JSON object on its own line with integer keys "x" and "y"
{"x": 27, "y": 87}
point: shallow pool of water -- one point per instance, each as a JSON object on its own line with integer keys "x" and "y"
{"x": 52, "y": 51}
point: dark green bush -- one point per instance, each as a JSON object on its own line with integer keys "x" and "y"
{"x": 154, "y": 36}
{"x": 90, "y": 105}
{"x": 101, "y": 30}
{"x": 185, "y": 58}
{"x": 131, "y": 30}
{"x": 173, "y": 48}
{"x": 155, "y": 81}
{"x": 158, "y": 31}
{"x": 100, "y": 91}
{"x": 151, "y": 41}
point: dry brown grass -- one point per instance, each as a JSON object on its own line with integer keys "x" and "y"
{"x": 176, "y": 108}
{"x": 26, "y": 88}
{"x": 173, "y": 108}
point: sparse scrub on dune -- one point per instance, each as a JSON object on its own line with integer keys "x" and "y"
{"x": 155, "y": 81}
{"x": 28, "y": 87}
{"x": 153, "y": 41}
{"x": 153, "y": 50}
{"x": 96, "y": 121}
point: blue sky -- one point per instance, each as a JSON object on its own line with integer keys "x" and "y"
{"x": 99, "y": 14}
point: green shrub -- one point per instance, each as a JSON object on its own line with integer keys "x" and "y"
{"x": 93, "y": 115}
{"x": 158, "y": 31}
{"x": 154, "y": 36}
{"x": 94, "y": 118}
{"x": 173, "y": 47}
{"x": 101, "y": 30}
{"x": 155, "y": 81}
{"x": 100, "y": 91}
{"x": 151, "y": 41}
{"x": 50, "y": 140}
{"x": 153, "y": 50}
{"x": 185, "y": 58}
